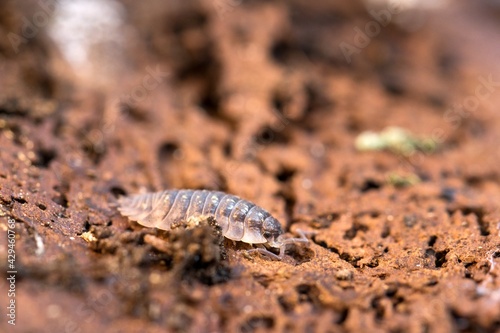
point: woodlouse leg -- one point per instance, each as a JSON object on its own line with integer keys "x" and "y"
{"x": 266, "y": 252}
{"x": 301, "y": 239}
{"x": 286, "y": 241}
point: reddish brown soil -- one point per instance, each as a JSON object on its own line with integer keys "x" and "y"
{"x": 259, "y": 102}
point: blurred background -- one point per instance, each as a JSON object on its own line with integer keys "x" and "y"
{"x": 373, "y": 124}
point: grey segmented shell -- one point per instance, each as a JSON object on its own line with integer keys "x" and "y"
{"x": 239, "y": 219}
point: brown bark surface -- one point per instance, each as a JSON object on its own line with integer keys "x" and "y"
{"x": 254, "y": 98}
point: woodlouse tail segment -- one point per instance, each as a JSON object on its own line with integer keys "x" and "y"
{"x": 134, "y": 206}
{"x": 123, "y": 205}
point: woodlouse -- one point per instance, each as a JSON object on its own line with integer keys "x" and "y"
{"x": 239, "y": 220}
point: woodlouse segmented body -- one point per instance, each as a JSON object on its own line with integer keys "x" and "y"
{"x": 239, "y": 219}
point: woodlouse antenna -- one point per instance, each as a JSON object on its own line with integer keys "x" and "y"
{"x": 281, "y": 242}
{"x": 285, "y": 240}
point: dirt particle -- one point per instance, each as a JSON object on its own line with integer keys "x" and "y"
{"x": 257, "y": 323}
{"x": 22, "y": 201}
{"x": 432, "y": 240}
{"x": 370, "y": 185}
{"x": 325, "y": 220}
{"x": 410, "y": 220}
{"x": 448, "y": 194}
{"x": 44, "y": 157}
{"x": 441, "y": 258}
{"x": 117, "y": 191}
{"x": 88, "y": 237}
{"x": 168, "y": 150}
{"x": 199, "y": 254}
{"x": 353, "y": 231}
{"x": 344, "y": 275}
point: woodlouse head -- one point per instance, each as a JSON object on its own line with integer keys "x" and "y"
{"x": 271, "y": 230}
